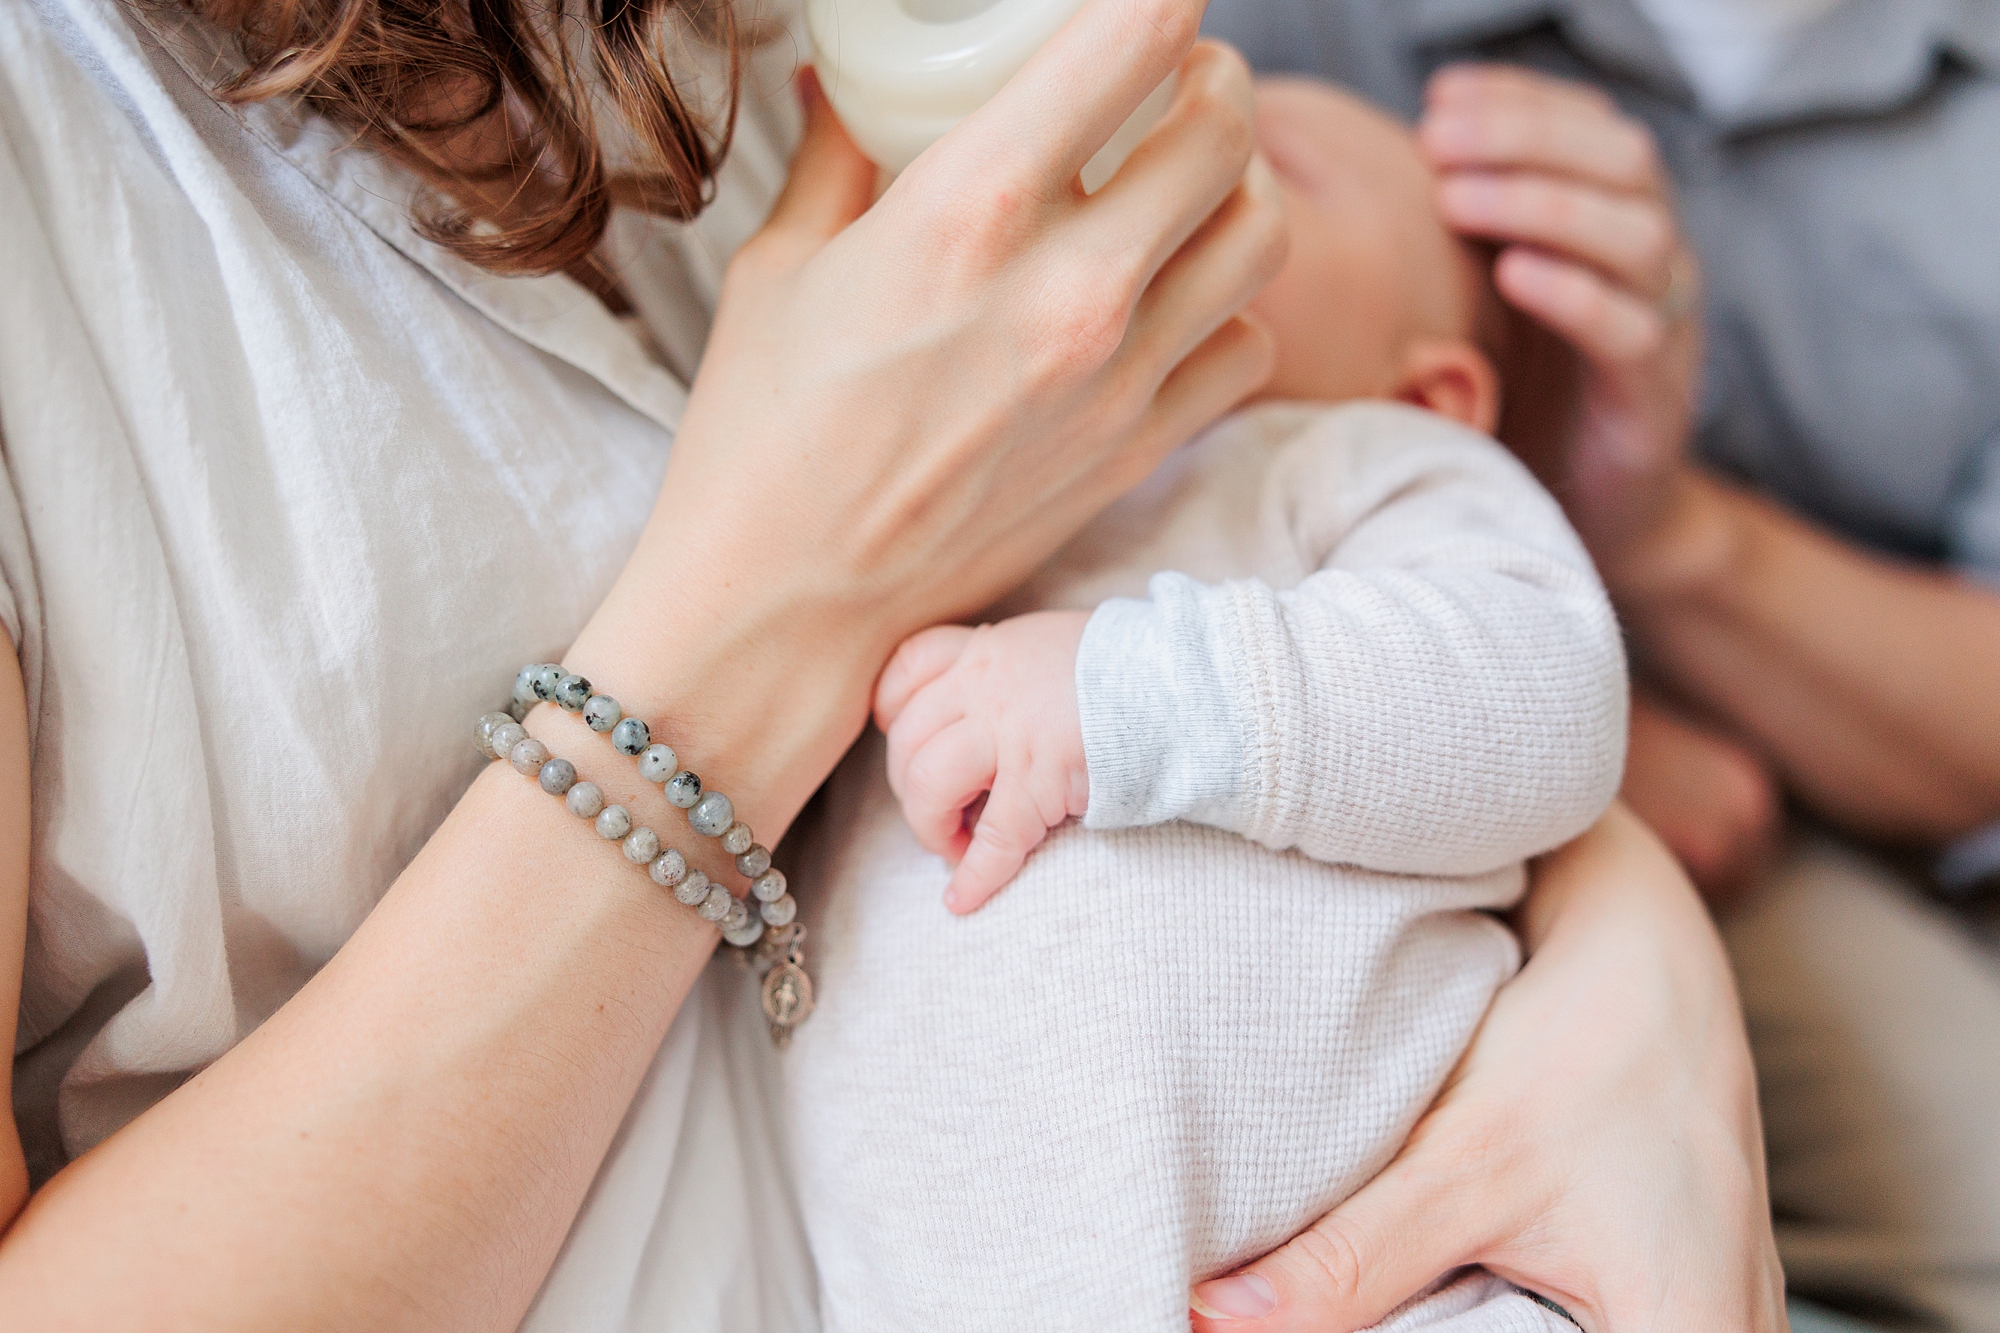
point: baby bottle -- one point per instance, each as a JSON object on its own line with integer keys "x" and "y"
{"x": 899, "y": 73}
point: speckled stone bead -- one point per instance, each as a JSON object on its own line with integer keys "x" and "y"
{"x": 669, "y": 868}
{"x": 543, "y": 682}
{"x": 557, "y": 776}
{"x": 748, "y": 934}
{"x": 483, "y": 734}
{"x": 585, "y": 800}
{"x": 711, "y": 815}
{"x": 684, "y": 789}
{"x": 739, "y": 915}
{"x": 716, "y": 905}
{"x": 613, "y": 823}
{"x": 505, "y": 737}
{"x": 779, "y": 911}
{"x": 693, "y": 891}
{"x": 657, "y": 762}
{"x": 737, "y": 838}
{"x": 571, "y": 694}
{"x": 641, "y": 845}
{"x": 630, "y": 736}
{"x": 754, "y": 861}
{"x": 528, "y": 756}
{"x": 770, "y": 886}
{"x": 601, "y": 712}
{"x": 524, "y": 685}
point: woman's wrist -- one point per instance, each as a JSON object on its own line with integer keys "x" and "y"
{"x": 758, "y": 680}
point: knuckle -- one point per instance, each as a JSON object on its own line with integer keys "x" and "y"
{"x": 978, "y": 222}
{"x": 1086, "y": 328}
{"x": 1332, "y": 1255}
{"x": 1171, "y": 25}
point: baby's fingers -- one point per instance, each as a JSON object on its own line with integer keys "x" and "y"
{"x": 944, "y": 775}
{"x": 1010, "y": 827}
{"x": 921, "y": 659}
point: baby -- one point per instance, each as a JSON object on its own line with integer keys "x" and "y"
{"x": 1315, "y": 690}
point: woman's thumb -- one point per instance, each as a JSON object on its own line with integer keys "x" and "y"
{"x": 1355, "y": 1265}
{"x": 831, "y": 183}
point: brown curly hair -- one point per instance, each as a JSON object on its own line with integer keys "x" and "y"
{"x": 496, "y": 103}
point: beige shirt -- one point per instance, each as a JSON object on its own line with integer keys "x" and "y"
{"x": 288, "y": 495}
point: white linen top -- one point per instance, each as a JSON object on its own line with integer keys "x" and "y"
{"x": 288, "y": 495}
{"x": 1353, "y": 667}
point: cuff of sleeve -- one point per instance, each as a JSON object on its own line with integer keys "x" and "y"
{"x": 1163, "y": 734}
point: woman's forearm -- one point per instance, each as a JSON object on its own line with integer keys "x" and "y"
{"x": 1868, "y": 683}
{"x": 404, "y": 1144}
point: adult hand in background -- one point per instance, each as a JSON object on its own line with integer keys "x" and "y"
{"x": 1599, "y": 1143}
{"x": 1711, "y": 799}
{"x": 1573, "y": 192}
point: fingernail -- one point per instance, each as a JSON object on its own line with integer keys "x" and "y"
{"x": 1238, "y": 1296}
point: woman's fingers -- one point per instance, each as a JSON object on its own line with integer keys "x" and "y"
{"x": 1629, "y": 238}
{"x": 1228, "y": 366}
{"x": 1213, "y": 276}
{"x": 1386, "y": 1243}
{"x": 830, "y": 185}
{"x": 1191, "y": 161}
{"x": 1071, "y": 97}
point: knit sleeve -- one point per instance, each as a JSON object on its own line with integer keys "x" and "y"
{"x": 1444, "y": 694}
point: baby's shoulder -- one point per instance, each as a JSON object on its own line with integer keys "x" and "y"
{"x": 1360, "y": 429}
{"x": 1361, "y": 447}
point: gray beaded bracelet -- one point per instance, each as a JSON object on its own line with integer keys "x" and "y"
{"x": 770, "y": 938}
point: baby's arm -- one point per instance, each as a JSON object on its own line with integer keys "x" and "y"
{"x": 1445, "y": 695}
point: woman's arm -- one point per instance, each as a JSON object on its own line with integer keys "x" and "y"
{"x": 899, "y": 413}
{"x": 1868, "y": 683}
{"x": 1599, "y": 1143}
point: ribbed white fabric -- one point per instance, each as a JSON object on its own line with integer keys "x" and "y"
{"x": 1163, "y": 1050}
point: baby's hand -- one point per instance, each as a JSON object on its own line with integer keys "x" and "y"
{"x": 987, "y": 711}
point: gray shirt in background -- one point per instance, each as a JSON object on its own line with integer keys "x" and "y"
{"x": 1847, "y": 219}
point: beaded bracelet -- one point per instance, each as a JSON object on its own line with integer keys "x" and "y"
{"x": 771, "y": 941}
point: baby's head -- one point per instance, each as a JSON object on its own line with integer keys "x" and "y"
{"x": 1378, "y": 299}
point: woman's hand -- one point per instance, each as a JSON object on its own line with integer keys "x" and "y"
{"x": 904, "y": 407}
{"x": 917, "y": 401}
{"x": 1599, "y": 1143}
{"x": 1574, "y": 193}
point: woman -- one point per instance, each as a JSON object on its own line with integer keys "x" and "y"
{"x": 303, "y": 462}
{"x": 1806, "y": 570}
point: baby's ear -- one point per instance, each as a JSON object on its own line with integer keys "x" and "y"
{"x": 1452, "y": 378}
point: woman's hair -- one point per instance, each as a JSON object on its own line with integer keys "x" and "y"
{"x": 515, "y": 101}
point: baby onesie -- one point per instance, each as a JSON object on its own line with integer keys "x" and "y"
{"x": 1347, "y": 668}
